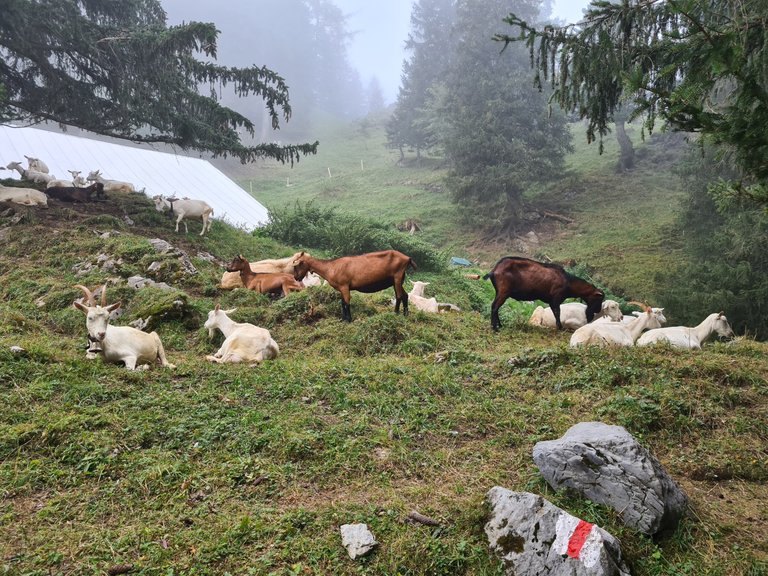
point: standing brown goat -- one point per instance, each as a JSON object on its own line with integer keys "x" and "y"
{"x": 264, "y": 282}
{"x": 365, "y": 273}
{"x": 524, "y": 279}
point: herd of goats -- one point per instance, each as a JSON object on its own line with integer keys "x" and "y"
{"x": 596, "y": 322}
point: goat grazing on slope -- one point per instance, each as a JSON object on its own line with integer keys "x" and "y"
{"x": 23, "y": 196}
{"x": 370, "y": 272}
{"x": 614, "y": 333}
{"x": 118, "y": 343}
{"x": 524, "y": 279}
{"x": 110, "y": 185}
{"x": 231, "y": 280}
{"x": 689, "y": 338}
{"x": 186, "y": 209}
{"x": 243, "y": 342}
{"x": 263, "y": 282}
{"x": 573, "y": 315}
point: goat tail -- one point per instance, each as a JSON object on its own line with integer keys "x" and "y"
{"x": 489, "y": 276}
{"x": 412, "y": 264}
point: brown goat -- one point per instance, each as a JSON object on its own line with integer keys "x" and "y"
{"x": 365, "y": 273}
{"x": 263, "y": 282}
{"x": 75, "y": 194}
{"x": 524, "y": 279}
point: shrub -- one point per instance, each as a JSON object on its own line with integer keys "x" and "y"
{"x": 341, "y": 234}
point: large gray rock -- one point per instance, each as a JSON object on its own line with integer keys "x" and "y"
{"x": 607, "y": 465}
{"x": 534, "y": 537}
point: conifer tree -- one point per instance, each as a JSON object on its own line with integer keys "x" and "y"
{"x": 117, "y": 69}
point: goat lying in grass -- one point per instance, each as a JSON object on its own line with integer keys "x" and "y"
{"x": 614, "y": 333}
{"x": 32, "y": 175}
{"x": 263, "y": 282}
{"x": 365, "y": 273}
{"x": 75, "y": 194}
{"x": 110, "y": 185}
{"x": 243, "y": 342}
{"x": 689, "y": 338}
{"x": 231, "y": 280}
{"x": 23, "y": 196}
{"x": 118, "y": 343}
{"x": 573, "y": 315}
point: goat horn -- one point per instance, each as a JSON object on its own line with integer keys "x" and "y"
{"x": 88, "y": 294}
{"x": 642, "y": 305}
{"x": 104, "y": 295}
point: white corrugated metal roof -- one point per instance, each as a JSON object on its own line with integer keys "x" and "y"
{"x": 156, "y": 172}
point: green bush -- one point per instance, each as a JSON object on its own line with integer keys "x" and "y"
{"x": 341, "y": 234}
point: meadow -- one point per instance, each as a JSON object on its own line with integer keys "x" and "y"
{"x": 211, "y": 469}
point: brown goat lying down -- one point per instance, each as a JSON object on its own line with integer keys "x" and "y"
{"x": 231, "y": 280}
{"x": 263, "y": 282}
{"x": 74, "y": 194}
{"x": 365, "y": 273}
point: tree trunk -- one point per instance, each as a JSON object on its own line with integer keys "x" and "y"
{"x": 627, "y": 157}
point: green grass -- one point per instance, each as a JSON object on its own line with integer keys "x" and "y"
{"x": 210, "y": 469}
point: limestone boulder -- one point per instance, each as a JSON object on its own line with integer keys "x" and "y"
{"x": 533, "y": 537}
{"x": 607, "y": 465}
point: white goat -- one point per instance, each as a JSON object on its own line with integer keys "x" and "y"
{"x": 689, "y": 338}
{"x": 231, "y": 280}
{"x": 33, "y": 175}
{"x": 110, "y": 185}
{"x": 417, "y": 299}
{"x": 23, "y": 196}
{"x": 311, "y": 279}
{"x": 186, "y": 208}
{"x": 614, "y": 333}
{"x": 118, "y": 343}
{"x": 36, "y": 164}
{"x": 573, "y": 315}
{"x": 243, "y": 342}
{"x": 59, "y": 183}
{"x": 77, "y": 180}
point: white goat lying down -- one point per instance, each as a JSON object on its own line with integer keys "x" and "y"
{"x": 573, "y": 315}
{"x": 231, "y": 280}
{"x": 118, "y": 343}
{"x": 23, "y": 196}
{"x": 243, "y": 342}
{"x": 689, "y": 338}
{"x": 110, "y": 185}
{"x": 185, "y": 209}
{"x": 417, "y": 299}
{"x": 614, "y": 333}
{"x": 36, "y": 164}
{"x": 33, "y": 175}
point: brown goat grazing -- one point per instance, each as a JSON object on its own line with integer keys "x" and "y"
{"x": 524, "y": 279}
{"x": 74, "y": 194}
{"x": 263, "y": 282}
{"x": 365, "y": 273}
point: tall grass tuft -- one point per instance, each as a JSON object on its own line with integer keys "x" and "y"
{"x": 342, "y": 234}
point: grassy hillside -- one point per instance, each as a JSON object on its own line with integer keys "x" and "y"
{"x": 210, "y": 469}
{"x": 620, "y": 221}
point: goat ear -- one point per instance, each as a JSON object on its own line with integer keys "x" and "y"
{"x": 114, "y": 306}
{"x": 217, "y": 307}
{"x": 80, "y": 306}
{"x": 230, "y": 311}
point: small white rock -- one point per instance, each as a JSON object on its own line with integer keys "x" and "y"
{"x": 357, "y": 539}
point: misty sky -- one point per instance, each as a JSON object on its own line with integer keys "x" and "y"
{"x": 382, "y": 28}
{"x": 380, "y": 31}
